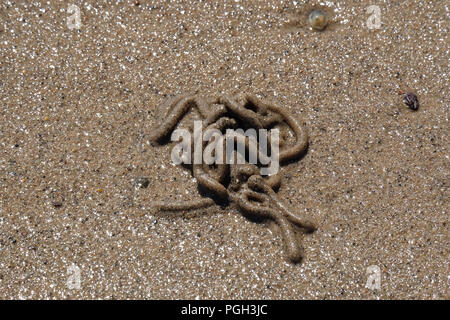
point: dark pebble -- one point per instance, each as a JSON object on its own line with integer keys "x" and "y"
{"x": 411, "y": 100}
{"x": 142, "y": 182}
{"x": 57, "y": 204}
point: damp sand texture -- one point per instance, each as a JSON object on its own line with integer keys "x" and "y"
{"x": 78, "y": 106}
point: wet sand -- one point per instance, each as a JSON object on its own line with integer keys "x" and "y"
{"x": 78, "y": 106}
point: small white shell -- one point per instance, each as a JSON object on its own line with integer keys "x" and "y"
{"x": 318, "y": 19}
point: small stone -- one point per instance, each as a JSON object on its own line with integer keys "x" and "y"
{"x": 57, "y": 204}
{"x": 411, "y": 100}
{"x": 142, "y": 182}
{"x": 318, "y": 19}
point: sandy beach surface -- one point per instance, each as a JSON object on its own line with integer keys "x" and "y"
{"x": 78, "y": 103}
